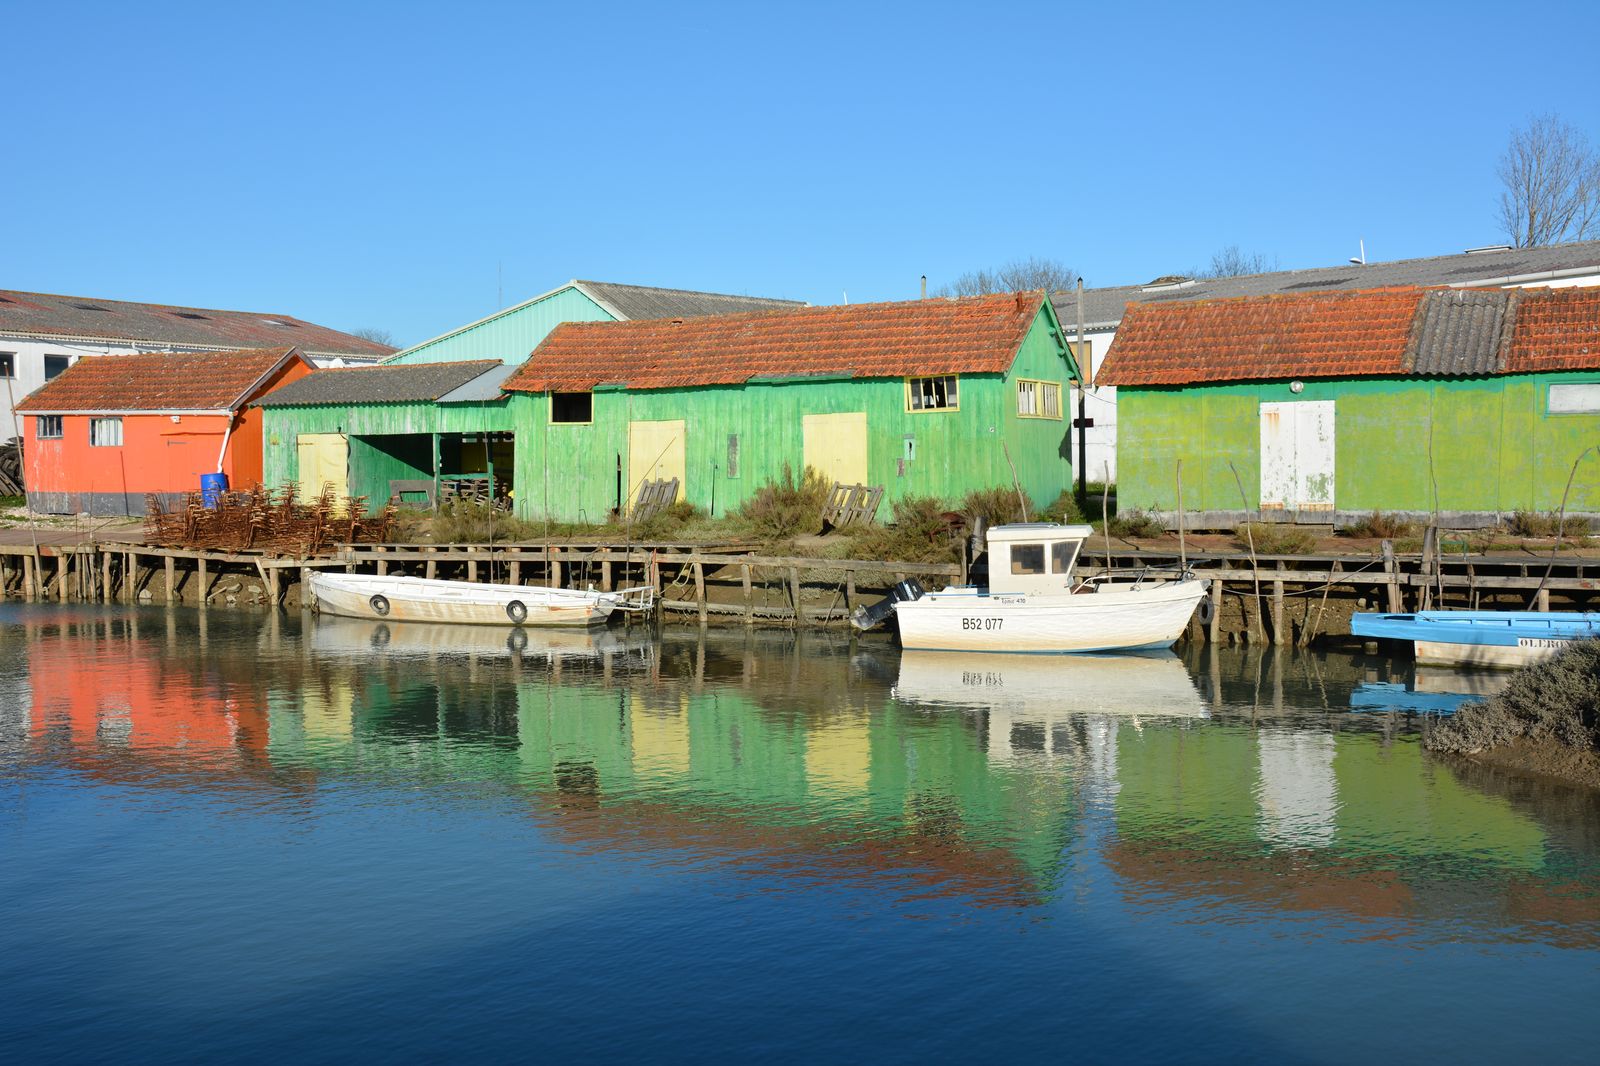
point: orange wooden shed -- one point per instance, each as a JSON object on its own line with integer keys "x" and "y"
{"x": 112, "y": 429}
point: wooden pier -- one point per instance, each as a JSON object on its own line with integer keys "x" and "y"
{"x": 1275, "y": 599}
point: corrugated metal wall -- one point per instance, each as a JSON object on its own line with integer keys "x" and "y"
{"x": 511, "y": 335}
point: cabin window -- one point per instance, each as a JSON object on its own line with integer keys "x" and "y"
{"x": 47, "y": 427}
{"x": 1574, "y": 398}
{"x": 1062, "y": 553}
{"x": 1027, "y": 558}
{"x": 733, "y": 455}
{"x": 55, "y": 364}
{"x": 1039, "y": 399}
{"x": 572, "y": 407}
{"x": 105, "y": 432}
{"x": 932, "y": 394}
{"x": 8, "y": 364}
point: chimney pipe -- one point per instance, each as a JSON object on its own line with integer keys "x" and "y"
{"x": 924, "y": 286}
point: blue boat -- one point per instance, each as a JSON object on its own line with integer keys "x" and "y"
{"x": 1480, "y": 638}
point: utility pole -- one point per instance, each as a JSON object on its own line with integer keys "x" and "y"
{"x": 1083, "y": 421}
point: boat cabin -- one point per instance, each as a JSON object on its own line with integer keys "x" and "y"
{"x": 1033, "y": 557}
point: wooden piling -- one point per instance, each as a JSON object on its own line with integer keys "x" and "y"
{"x": 171, "y": 567}
{"x": 700, "y": 587}
{"x": 749, "y": 600}
{"x": 63, "y": 574}
{"x": 1214, "y": 631}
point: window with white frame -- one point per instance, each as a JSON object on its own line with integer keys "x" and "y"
{"x": 47, "y": 427}
{"x": 1574, "y": 398}
{"x": 105, "y": 432}
{"x": 932, "y": 394}
{"x": 8, "y": 365}
{"x": 54, "y": 365}
{"x": 1039, "y": 399}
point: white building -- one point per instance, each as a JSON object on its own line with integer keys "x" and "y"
{"x": 42, "y": 334}
{"x": 1500, "y": 266}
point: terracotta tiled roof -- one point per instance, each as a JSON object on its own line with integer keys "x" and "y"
{"x": 161, "y": 381}
{"x": 1385, "y": 333}
{"x": 1322, "y": 334}
{"x": 1557, "y": 329}
{"x": 48, "y": 314}
{"x": 975, "y": 335}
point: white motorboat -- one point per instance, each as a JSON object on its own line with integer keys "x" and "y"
{"x": 416, "y": 599}
{"x": 1035, "y": 603}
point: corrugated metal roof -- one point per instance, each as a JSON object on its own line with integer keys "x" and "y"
{"x": 403, "y": 383}
{"x": 160, "y": 381}
{"x": 975, "y": 335}
{"x": 1459, "y": 331}
{"x": 1105, "y": 307}
{"x": 47, "y": 314}
{"x": 643, "y": 301}
{"x": 483, "y": 388}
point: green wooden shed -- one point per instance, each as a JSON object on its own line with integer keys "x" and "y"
{"x": 1321, "y": 407}
{"x": 925, "y": 398}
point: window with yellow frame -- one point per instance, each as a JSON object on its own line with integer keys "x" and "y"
{"x": 1038, "y": 399}
{"x": 932, "y": 394}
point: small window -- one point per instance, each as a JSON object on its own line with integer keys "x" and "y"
{"x": 105, "y": 432}
{"x": 1027, "y": 558}
{"x": 572, "y": 407}
{"x": 1039, "y": 399}
{"x": 1062, "y": 553}
{"x": 1574, "y": 398}
{"x": 55, "y": 364}
{"x": 8, "y": 364}
{"x": 733, "y": 455}
{"x": 932, "y": 394}
{"x": 47, "y": 427}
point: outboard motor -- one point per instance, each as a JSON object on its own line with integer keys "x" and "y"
{"x": 866, "y": 617}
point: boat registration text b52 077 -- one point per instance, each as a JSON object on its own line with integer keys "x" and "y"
{"x": 981, "y": 623}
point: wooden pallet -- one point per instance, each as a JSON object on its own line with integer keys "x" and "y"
{"x": 654, "y": 497}
{"x": 851, "y": 504}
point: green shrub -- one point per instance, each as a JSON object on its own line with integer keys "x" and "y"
{"x": 996, "y": 506}
{"x": 1380, "y": 526}
{"x": 1064, "y": 511}
{"x": 1275, "y": 538}
{"x": 668, "y": 523}
{"x": 788, "y": 507}
{"x": 1135, "y": 523}
{"x": 920, "y": 534}
{"x": 1545, "y": 524}
{"x": 1558, "y": 699}
{"x": 464, "y": 522}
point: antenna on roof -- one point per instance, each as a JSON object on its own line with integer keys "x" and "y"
{"x": 1361, "y": 260}
{"x": 846, "y": 293}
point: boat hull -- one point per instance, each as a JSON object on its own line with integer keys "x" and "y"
{"x": 413, "y": 599}
{"x": 1115, "y": 619}
{"x": 1498, "y": 639}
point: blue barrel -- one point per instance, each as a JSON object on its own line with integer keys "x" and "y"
{"x": 212, "y": 486}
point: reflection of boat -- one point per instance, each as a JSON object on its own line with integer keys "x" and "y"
{"x": 1480, "y": 638}
{"x": 1155, "y": 684}
{"x": 1033, "y": 602}
{"x": 334, "y": 635}
{"x": 416, "y": 599}
{"x": 1430, "y": 690}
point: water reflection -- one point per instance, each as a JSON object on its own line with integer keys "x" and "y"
{"x": 1234, "y": 777}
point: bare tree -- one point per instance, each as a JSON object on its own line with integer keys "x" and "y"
{"x": 375, "y": 335}
{"x": 1551, "y": 184}
{"x": 1231, "y": 262}
{"x": 1019, "y": 275}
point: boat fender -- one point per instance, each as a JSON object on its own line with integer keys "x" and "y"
{"x": 1205, "y": 610}
{"x": 517, "y": 611}
{"x": 380, "y": 604}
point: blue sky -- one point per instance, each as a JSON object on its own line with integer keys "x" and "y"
{"x": 378, "y": 164}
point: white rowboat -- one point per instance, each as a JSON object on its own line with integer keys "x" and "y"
{"x": 415, "y": 599}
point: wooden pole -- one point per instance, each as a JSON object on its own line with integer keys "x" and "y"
{"x": 63, "y": 574}
{"x": 1277, "y": 610}
{"x": 794, "y": 591}
{"x": 1183, "y": 550}
{"x": 700, "y": 588}
{"x": 749, "y": 601}
{"x": 171, "y": 568}
{"x": 105, "y": 576}
{"x": 1215, "y": 629}
{"x": 605, "y": 575}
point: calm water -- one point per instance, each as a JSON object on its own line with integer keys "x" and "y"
{"x": 251, "y": 839}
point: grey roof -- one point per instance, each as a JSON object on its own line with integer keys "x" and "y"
{"x": 1461, "y": 331}
{"x": 482, "y": 388}
{"x": 642, "y": 301}
{"x": 401, "y": 383}
{"x": 166, "y": 325}
{"x": 1103, "y": 308}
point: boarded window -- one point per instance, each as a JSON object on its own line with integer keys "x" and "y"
{"x": 572, "y": 407}
{"x": 932, "y": 394}
{"x": 1027, "y": 558}
{"x": 47, "y": 427}
{"x": 55, "y": 364}
{"x": 8, "y": 364}
{"x": 733, "y": 455}
{"x": 105, "y": 432}
{"x": 1039, "y": 399}
{"x": 1575, "y": 398}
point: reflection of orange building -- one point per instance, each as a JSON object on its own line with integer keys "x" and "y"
{"x": 102, "y": 692}
{"x": 109, "y": 430}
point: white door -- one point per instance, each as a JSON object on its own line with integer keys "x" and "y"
{"x": 1297, "y": 456}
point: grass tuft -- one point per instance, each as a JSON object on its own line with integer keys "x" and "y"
{"x": 1545, "y": 524}
{"x": 1275, "y": 538}
{"x": 920, "y": 534}
{"x": 1380, "y": 526}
